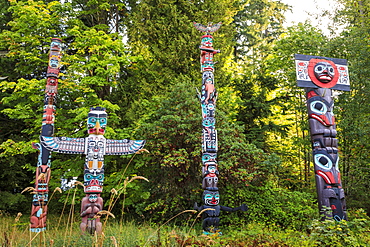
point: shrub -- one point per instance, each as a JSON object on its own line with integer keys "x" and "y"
{"x": 343, "y": 233}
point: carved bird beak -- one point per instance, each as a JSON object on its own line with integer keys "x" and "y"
{"x": 97, "y": 128}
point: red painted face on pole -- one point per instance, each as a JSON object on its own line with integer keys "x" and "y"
{"x": 323, "y": 73}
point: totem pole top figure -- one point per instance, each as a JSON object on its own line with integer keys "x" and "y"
{"x": 206, "y": 47}
{"x": 96, "y": 121}
{"x": 207, "y": 39}
{"x": 207, "y": 29}
{"x": 322, "y": 72}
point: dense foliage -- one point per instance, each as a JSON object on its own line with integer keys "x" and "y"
{"x": 139, "y": 59}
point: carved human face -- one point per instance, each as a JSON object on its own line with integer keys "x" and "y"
{"x": 54, "y": 61}
{"x": 212, "y": 168}
{"x": 207, "y": 41}
{"x": 56, "y": 44}
{"x": 211, "y": 198}
{"x": 39, "y": 198}
{"x": 96, "y": 122}
{"x": 93, "y": 197}
{"x": 93, "y": 182}
{"x": 324, "y": 72}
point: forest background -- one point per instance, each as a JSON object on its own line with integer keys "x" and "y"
{"x": 140, "y": 60}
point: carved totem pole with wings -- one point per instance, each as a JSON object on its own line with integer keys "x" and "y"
{"x": 95, "y": 146}
{"x": 208, "y": 97}
{"x": 320, "y": 76}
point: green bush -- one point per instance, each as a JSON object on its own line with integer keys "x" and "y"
{"x": 354, "y": 232}
{"x": 13, "y": 203}
{"x": 276, "y": 207}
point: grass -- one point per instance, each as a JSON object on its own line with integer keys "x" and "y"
{"x": 14, "y": 231}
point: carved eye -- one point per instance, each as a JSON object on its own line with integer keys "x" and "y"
{"x": 320, "y": 68}
{"x": 206, "y": 157}
{"x": 331, "y": 70}
{"x": 318, "y": 107}
{"x": 323, "y": 161}
{"x": 88, "y": 177}
{"x": 93, "y": 198}
{"x": 93, "y": 120}
{"x": 208, "y": 197}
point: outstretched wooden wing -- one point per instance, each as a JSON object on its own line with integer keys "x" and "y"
{"x": 122, "y": 147}
{"x": 214, "y": 27}
{"x": 200, "y": 27}
{"x": 207, "y": 29}
{"x": 64, "y": 144}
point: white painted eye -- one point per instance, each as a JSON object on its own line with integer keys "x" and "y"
{"x": 318, "y": 107}
{"x": 320, "y": 68}
{"x": 331, "y": 70}
{"x": 323, "y": 161}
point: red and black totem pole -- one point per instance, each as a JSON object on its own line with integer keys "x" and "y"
{"x": 320, "y": 76}
{"x": 208, "y": 97}
{"x": 40, "y": 198}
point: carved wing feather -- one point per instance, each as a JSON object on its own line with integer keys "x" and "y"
{"x": 64, "y": 144}
{"x": 215, "y": 27}
{"x": 200, "y": 27}
{"x": 122, "y": 147}
{"x": 207, "y": 29}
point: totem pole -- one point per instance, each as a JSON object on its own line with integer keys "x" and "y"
{"x": 40, "y": 197}
{"x": 95, "y": 146}
{"x": 207, "y": 97}
{"x": 319, "y": 76}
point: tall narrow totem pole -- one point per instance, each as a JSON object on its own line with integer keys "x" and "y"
{"x": 320, "y": 76}
{"x": 40, "y": 198}
{"x": 208, "y": 96}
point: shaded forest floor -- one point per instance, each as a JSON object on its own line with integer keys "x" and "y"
{"x": 15, "y": 232}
